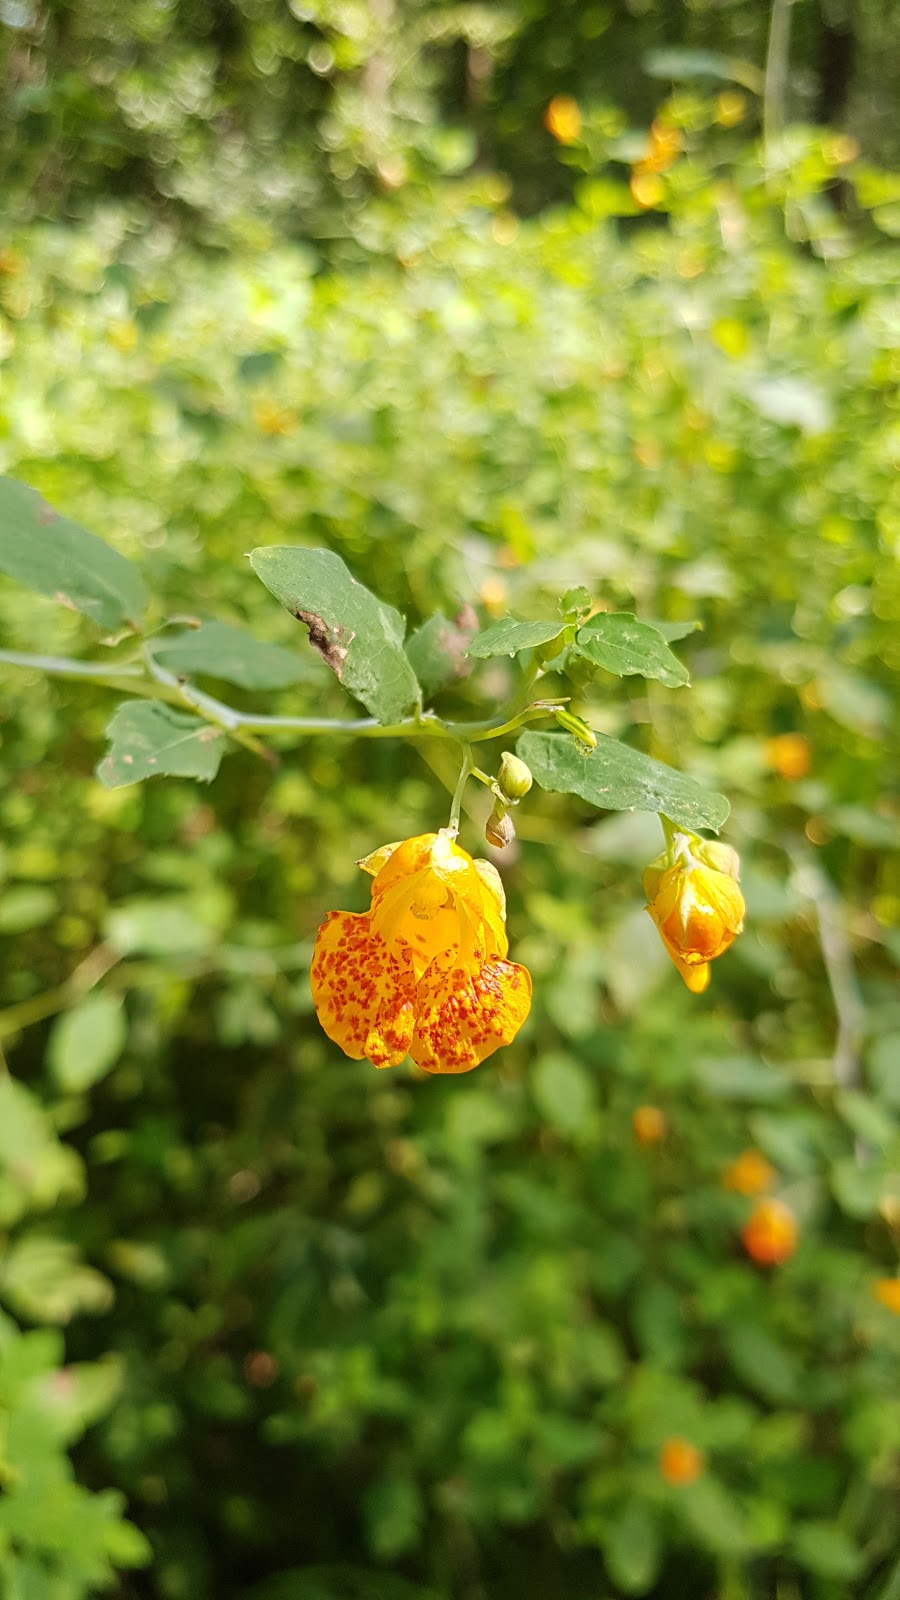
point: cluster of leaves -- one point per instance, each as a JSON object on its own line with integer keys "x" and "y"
{"x": 455, "y": 1322}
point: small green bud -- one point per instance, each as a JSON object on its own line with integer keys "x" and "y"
{"x": 499, "y": 830}
{"x": 576, "y": 726}
{"x": 514, "y": 779}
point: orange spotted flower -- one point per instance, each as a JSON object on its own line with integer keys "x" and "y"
{"x": 424, "y": 971}
{"x": 695, "y": 902}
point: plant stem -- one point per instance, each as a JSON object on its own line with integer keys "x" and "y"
{"x": 465, "y": 772}
{"x": 166, "y": 686}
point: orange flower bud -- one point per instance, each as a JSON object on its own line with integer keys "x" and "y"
{"x": 750, "y": 1174}
{"x": 697, "y": 909}
{"x": 789, "y": 754}
{"x": 887, "y": 1293}
{"x": 562, "y": 118}
{"x": 680, "y": 1462}
{"x": 770, "y": 1235}
{"x": 649, "y": 1124}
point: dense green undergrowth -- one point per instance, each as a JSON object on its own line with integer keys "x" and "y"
{"x": 376, "y": 1335}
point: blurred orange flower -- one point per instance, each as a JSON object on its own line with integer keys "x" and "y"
{"x": 680, "y": 1462}
{"x": 562, "y": 118}
{"x": 423, "y": 972}
{"x": 750, "y": 1174}
{"x": 789, "y": 754}
{"x": 770, "y": 1235}
{"x": 649, "y": 1124}
{"x": 887, "y": 1293}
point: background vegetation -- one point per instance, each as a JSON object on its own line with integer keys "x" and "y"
{"x": 321, "y": 274}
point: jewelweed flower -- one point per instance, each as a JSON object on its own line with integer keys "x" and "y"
{"x": 680, "y": 1462}
{"x": 750, "y": 1174}
{"x": 770, "y": 1235}
{"x": 887, "y": 1293}
{"x": 562, "y": 118}
{"x": 424, "y": 971}
{"x": 789, "y": 754}
{"x": 649, "y": 1124}
{"x": 694, "y": 899}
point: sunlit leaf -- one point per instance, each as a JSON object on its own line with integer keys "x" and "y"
{"x": 86, "y": 1042}
{"x": 508, "y": 636}
{"x": 617, "y": 778}
{"x": 621, "y": 644}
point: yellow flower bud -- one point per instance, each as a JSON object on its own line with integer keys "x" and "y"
{"x": 514, "y": 779}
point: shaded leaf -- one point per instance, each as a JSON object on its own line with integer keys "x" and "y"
{"x": 506, "y": 637}
{"x": 220, "y": 650}
{"x": 826, "y": 1550}
{"x": 48, "y": 553}
{"x": 619, "y": 643}
{"x": 437, "y": 651}
{"x": 632, "y": 1548}
{"x": 617, "y": 778}
{"x": 355, "y": 633}
{"x": 149, "y": 740}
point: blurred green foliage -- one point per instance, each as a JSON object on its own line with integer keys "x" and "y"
{"x": 376, "y": 1336}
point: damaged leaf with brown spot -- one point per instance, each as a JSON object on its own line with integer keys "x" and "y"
{"x": 357, "y": 635}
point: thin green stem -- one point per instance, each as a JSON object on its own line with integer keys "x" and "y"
{"x": 164, "y": 685}
{"x": 465, "y": 772}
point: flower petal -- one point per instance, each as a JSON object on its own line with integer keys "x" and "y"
{"x": 463, "y": 1017}
{"x": 363, "y": 989}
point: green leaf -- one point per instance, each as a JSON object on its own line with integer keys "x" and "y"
{"x": 617, "y": 778}
{"x": 632, "y": 1549}
{"x": 576, "y": 602}
{"x": 219, "y": 650}
{"x": 619, "y": 643}
{"x": 45, "y": 1280}
{"x": 355, "y": 633}
{"x": 506, "y": 637}
{"x": 564, "y": 1093}
{"x": 392, "y": 1509}
{"x": 47, "y": 552}
{"x": 437, "y": 650}
{"x": 740, "y": 1078}
{"x": 86, "y": 1042}
{"x": 674, "y": 630}
{"x": 760, "y": 1361}
{"x": 149, "y": 740}
{"x": 826, "y": 1550}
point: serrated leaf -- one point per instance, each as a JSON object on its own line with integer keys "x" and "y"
{"x": 86, "y": 1042}
{"x": 219, "y": 650}
{"x": 149, "y": 740}
{"x": 618, "y": 642}
{"x": 48, "y": 553}
{"x": 437, "y": 651}
{"x": 506, "y": 637}
{"x": 355, "y": 633}
{"x": 617, "y": 778}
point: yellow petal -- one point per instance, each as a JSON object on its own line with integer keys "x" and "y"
{"x": 363, "y": 989}
{"x": 373, "y": 863}
{"x": 463, "y": 1017}
{"x": 695, "y": 974}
